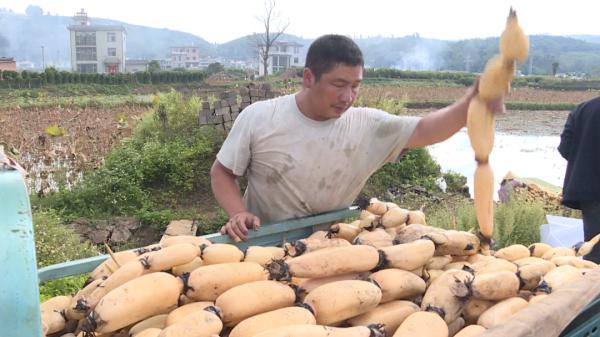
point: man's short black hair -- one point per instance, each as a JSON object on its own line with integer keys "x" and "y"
{"x": 328, "y": 51}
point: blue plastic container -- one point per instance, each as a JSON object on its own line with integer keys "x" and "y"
{"x": 19, "y": 292}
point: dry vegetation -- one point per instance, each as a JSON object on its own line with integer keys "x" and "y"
{"x": 34, "y": 135}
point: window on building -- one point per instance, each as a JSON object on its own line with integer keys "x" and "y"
{"x": 85, "y": 38}
{"x": 112, "y": 51}
{"x": 295, "y": 60}
{"x": 283, "y": 49}
{"x": 280, "y": 62}
{"x": 85, "y": 54}
{"x": 111, "y": 37}
{"x": 296, "y": 50}
{"x": 87, "y": 68}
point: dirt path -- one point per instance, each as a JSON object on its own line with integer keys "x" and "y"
{"x": 525, "y": 122}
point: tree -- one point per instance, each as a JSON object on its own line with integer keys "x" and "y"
{"x": 153, "y": 66}
{"x": 214, "y": 68}
{"x": 554, "y": 68}
{"x": 34, "y": 11}
{"x": 265, "y": 41}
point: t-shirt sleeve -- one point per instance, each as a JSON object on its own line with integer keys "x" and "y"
{"x": 235, "y": 151}
{"x": 405, "y": 127}
{"x": 390, "y": 134}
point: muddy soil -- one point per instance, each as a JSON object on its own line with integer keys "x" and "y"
{"x": 524, "y": 122}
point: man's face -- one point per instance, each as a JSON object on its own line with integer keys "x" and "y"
{"x": 335, "y": 91}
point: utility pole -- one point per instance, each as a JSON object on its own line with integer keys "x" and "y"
{"x": 43, "y": 60}
{"x": 531, "y": 59}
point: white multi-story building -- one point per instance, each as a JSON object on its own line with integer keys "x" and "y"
{"x": 96, "y": 48}
{"x": 185, "y": 57}
{"x": 282, "y": 55}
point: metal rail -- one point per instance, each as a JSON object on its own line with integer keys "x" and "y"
{"x": 268, "y": 235}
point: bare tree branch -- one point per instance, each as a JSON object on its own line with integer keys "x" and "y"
{"x": 266, "y": 40}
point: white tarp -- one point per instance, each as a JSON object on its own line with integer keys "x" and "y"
{"x": 561, "y": 231}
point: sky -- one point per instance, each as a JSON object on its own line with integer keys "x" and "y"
{"x": 220, "y": 21}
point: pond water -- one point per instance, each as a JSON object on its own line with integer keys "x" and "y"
{"x": 526, "y": 156}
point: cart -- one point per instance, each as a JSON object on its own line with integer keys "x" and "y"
{"x": 19, "y": 277}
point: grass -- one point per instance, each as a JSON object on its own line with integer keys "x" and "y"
{"x": 516, "y": 222}
{"x": 77, "y": 101}
{"x": 55, "y": 243}
{"x": 64, "y": 286}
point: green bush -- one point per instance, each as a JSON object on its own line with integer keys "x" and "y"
{"x": 64, "y": 286}
{"x": 55, "y": 242}
{"x": 459, "y": 216}
{"x": 517, "y": 222}
{"x": 165, "y": 163}
{"x": 415, "y": 167}
{"x": 455, "y": 182}
{"x": 157, "y": 219}
{"x": 207, "y": 225}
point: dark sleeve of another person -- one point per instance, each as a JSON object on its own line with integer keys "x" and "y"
{"x": 566, "y": 137}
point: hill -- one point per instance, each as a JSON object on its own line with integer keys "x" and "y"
{"x": 572, "y": 55}
{"x": 587, "y": 38}
{"x": 23, "y": 35}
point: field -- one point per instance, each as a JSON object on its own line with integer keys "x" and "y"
{"x": 57, "y": 134}
{"x": 56, "y": 145}
{"x": 421, "y": 92}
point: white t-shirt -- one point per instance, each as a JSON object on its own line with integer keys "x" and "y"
{"x": 297, "y": 166}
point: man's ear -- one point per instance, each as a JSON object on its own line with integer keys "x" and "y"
{"x": 308, "y": 78}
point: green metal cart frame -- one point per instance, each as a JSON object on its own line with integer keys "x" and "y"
{"x": 19, "y": 277}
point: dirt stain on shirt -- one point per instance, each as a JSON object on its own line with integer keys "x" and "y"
{"x": 276, "y": 177}
{"x": 386, "y": 129}
{"x": 322, "y": 184}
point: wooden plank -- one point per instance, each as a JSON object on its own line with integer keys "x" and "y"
{"x": 551, "y": 315}
{"x": 180, "y": 227}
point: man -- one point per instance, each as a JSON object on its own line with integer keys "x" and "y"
{"x": 580, "y": 146}
{"x": 312, "y": 152}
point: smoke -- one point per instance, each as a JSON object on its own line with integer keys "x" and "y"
{"x": 422, "y": 57}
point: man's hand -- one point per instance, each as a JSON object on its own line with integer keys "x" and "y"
{"x": 496, "y": 106}
{"x": 238, "y": 225}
